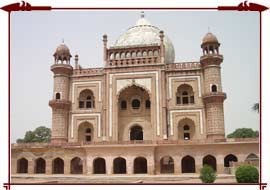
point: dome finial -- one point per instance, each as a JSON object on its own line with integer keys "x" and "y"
{"x": 142, "y": 14}
{"x": 63, "y": 40}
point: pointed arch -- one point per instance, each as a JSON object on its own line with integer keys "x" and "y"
{"x": 76, "y": 166}
{"x": 210, "y": 161}
{"x": 40, "y": 166}
{"x": 99, "y": 166}
{"x": 188, "y": 164}
{"x": 58, "y": 166}
{"x": 22, "y": 165}
{"x": 166, "y": 165}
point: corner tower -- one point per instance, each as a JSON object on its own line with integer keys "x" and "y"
{"x": 213, "y": 96}
{"x": 60, "y": 103}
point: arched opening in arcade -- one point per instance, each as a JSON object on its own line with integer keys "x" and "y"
{"x": 22, "y": 165}
{"x": 229, "y": 159}
{"x": 40, "y": 166}
{"x": 76, "y": 166}
{"x": 119, "y": 166}
{"x": 188, "y": 164}
{"x": 166, "y": 165}
{"x": 58, "y": 166}
{"x": 210, "y": 161}
{"x": 252, "y": 159}
{"x": 99, "y": 166}
{"x": 140, "y": 165}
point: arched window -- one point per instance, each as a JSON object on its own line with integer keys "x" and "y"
{"x": 40, "y": 166}
{"x": 119, "y": 166}
{"x": 139, "y": 54}
{"x": 214, "y": 88}
{"x": 186, "y": 132}
{"x": 140, "y": 165}
{"x": 88, "y": 135}
{"x": 136, "y": 104}
{"x": 210, "y": 161}
{"x": 144, "y": 54}
{"x": 123, "y": 105}
{"x": 184, "y": 94}
{"x": 133, "y": 54}
{"x": 147, "y": 104}
{"x": 58, "y": 166}
{"x": 188, "y": 164}
{"x": 136, "y": 133}
{"x": 166, "y": 165}
{"x": 86, "y": 99}
{"x": 252, "y": 159}
{"x": 123, "y": 56}
{"x": 117, "y": 56}
{"x": 128, "y": 55}
{"x": 111, "y": 56}
{"x": 57, "y": 96}
{"x": 76, "y": 166}
{"x": 22, "y": 166}
{"x": 99, "y": 166}
{"x": 150, "y": 53}
{"x": 156, "y": 53}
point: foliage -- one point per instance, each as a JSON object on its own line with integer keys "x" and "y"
{"x": 256, "y": 107}
{"x": 247, "y": 174}
{"x": 243, "y": 133}
{"x": 40, "y": 134}
{"x": 207, "y": 174}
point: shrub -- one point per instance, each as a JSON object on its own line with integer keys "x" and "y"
{"x": 207, "y": 174}
{"x": 247, "y": 174}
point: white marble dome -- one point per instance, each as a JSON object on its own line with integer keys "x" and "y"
{"x": 143, "y": 33}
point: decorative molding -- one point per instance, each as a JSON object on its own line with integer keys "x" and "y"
{"x": 243, "y": 6}
{"x": 24, "y": 6}
{"x": 198, "y": 77}
{"x": 86, "y": 114}
{"x": 86, "y": 82}
{"x": 185, "y": 111}
{"x": 110, "y": 97}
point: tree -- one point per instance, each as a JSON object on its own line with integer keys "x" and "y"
{"x": 40, "y": 134}
{"x": 243, "y": 133}
{"x": 207, "y": 174}
{"x": 247, "y": 174}
{"x": 256, "y": 107}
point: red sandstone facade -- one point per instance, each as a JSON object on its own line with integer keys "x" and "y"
{"x": 141, "y": 113}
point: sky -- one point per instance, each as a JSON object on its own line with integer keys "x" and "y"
{"x": 35, "y": 36}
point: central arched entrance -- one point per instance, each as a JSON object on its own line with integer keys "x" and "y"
{"x": 119, "y": 166}
{"x": 140, "y": 165}
{"x": 85, "y": 132}
{"x": 136, "y": 133}
{"x": 134, "y": 114}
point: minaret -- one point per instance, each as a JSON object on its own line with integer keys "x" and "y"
{"x": 60, "y": 103}
{"x": 213, "y": 96}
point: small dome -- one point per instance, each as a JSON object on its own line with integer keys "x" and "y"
{"x": 209, "y": 38}
{"x": 143, "y": 34}
{"x": 62, "y": 50}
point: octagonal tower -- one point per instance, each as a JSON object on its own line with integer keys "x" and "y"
{"x": 213, "y": 96}
{"x": 60, "y": 103}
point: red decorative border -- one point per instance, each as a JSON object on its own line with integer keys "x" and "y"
{"x": 243, "y": 6}
{"x": 25, "y": 6}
